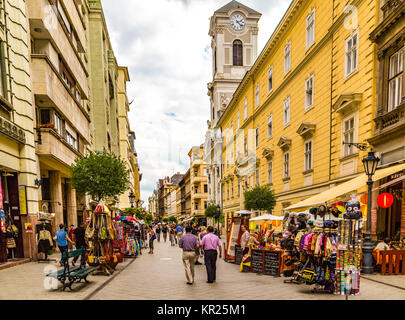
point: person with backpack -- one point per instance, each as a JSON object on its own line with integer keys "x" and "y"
{"x": 152, "y": 237}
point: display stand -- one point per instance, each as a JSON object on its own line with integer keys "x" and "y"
{"x": 349, "y": 258}
{"x": 233, "y": 237}
{"x": 44, "y": 225}
{"x": 101, "y": 235}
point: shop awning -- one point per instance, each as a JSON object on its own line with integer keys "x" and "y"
{"x": 344, "y": 188}
{"x": 267, "y": 217}
{"x": 243, "y": 212}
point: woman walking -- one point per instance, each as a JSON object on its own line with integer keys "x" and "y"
{"x": 152, "y": 237}
{"x": 172, "y": 234}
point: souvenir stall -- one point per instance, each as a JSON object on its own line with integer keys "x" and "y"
{"x": 119, "y": 243}
{"x": 101, "y": 234}
{"x": 129, "y": 245}
{"x": 324, "y": 247}
{"x": 267, "y": 257}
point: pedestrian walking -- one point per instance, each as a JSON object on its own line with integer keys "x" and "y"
{"x": 152, "y": 237}
{"x": 71, "y": 236}
{"x": 210, "y": 243}
{"x": 158, "y": 231}
{"x": 172, "y": 234}
{"x": 195, "y": 231}
{"x": 189, "y": 243}
{"x": 179, "y": 233}
{"x": 164, "y": 231}
{"x": 138, "y": 237}
{"x": 63, "y": 239}
{"x": 81, "y": 243}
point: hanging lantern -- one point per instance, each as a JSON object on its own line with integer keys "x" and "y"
{"x": 276, "y": 223}
{"x": 385, "y": 200}
{"x": 363, "y": 210}
{"x": 364, "y": 198}
{"x": 337, "y": 204}
{"x": 252, "y": 225}
{"x": 266, "y": 225}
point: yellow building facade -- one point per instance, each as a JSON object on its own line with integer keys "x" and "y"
{"x": 310, "y": 90}
{"x": 198, "y": 181}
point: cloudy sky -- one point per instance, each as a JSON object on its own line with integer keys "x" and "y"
{"x": 166, "y": 46}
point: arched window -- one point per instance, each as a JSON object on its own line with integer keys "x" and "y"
{"x": 237, "y": 53}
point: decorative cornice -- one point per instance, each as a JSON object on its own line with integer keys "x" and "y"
{"x": 347, "y": 103}
{"x": 284, "y": 143}
{"x": 268, "y": 154}
{"x": 306, "y": 130}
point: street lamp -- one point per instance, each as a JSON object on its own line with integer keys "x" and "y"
{"x": 131, "y": 199}
{"x": 370, "y": 166}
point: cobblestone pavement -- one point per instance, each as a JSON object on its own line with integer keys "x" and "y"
{"x": 161, "y": 277}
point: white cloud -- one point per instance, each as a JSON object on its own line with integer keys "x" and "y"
{"x": 164, "y": 44}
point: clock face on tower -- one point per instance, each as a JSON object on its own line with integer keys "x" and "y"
{"x": 238, "y": 22}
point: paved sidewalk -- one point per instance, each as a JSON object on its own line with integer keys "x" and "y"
{"x": 26, "y": 282}
{"x": 161, "y": 277}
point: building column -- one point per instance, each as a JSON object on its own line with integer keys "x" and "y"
{"x": 71, "y": 204}
{"x": 55, "y": 181}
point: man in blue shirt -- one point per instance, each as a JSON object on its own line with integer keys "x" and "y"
{"x": 179, "y": 233}
{"x": 63, "y": 240}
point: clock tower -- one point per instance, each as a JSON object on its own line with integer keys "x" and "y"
{"x": 233, "y": 30}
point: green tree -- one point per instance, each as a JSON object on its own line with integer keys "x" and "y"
{"x": 100, "y": 175}
{"x": 260, "y": 199}
{"x": 165, "y": 220}
{"x": 148, "y": 218}
{"x": 211, "y": 211}
{"x": 173, "y": 219}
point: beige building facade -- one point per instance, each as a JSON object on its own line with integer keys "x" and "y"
{"x": 59, "y": 53}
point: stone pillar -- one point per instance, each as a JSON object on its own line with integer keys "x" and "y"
{"x": 71, "y": 205}
{"x": 55, "y": 182}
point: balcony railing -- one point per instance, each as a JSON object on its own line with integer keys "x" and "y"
{"x": 390, "y": 6}
{"x": 390, "y": 120}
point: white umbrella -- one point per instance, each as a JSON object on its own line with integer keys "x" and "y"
{"x": 267, "y": 217}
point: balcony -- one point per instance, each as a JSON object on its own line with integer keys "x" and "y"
{"x": 389, "y": 123}
{"x": 390, "y": 6}
{"x": 199, "y": 195}
{"x": 52, "y": 92}
{"x": 45, "y": 24}
{"x": 55, "y": 152}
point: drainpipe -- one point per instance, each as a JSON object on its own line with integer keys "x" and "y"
{"x": 331, "y": 97}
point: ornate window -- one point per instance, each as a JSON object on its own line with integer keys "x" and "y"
{"x": 287, "y": 58}
{"x": 237, "y": 53}
{"x": 395, "y": 80}
{"x": 310, "y": 29}
{"x": 352, "y": 48}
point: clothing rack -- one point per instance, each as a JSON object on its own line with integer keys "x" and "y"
{"x": 43, "y": 225}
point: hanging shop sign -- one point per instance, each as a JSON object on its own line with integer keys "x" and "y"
{"x": 22, "y": 191}
{"x": 385, "y": 200}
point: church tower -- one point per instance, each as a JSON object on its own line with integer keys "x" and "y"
{"x": 234, "y": 30}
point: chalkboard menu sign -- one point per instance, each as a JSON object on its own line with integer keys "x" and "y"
{"x": 238, "y": 255}
{"x": 272, "y": 263}
{"x": 257, "y": 261}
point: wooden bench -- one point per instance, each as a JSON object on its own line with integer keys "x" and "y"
{"x": 67, "y": 276}
{"x": 393, "y": 262}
